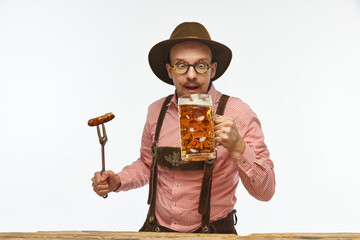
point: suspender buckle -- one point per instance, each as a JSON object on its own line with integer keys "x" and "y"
{"x": 154, "y": 148}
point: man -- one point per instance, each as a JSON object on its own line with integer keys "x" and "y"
{"x": 196, "y": 196}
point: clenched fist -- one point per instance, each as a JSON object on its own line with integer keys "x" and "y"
{"x": 105, "y": 183}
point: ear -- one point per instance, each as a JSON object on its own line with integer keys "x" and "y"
{"x": 213, "y": 69}
{"x": 169, "y": 68}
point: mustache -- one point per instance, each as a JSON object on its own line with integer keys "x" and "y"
{"x": 192, "y": 84}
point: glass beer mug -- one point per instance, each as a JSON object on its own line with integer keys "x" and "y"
{"x": 196, "y": 127}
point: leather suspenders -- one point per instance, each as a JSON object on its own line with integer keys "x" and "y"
{"x": 207, "y": 166}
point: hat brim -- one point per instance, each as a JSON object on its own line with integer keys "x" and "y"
{"x": 158, "y": 57}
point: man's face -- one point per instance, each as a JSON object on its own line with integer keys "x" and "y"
{"x": 191, "y": 52}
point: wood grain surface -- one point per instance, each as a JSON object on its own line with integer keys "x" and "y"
{"x": 76, "y": 235}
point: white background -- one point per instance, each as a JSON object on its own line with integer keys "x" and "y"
{"x": 295, "y": 62}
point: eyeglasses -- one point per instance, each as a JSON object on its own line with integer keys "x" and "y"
{"x": 182, "y": 67}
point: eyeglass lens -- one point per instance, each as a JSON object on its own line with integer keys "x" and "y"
{"x": 200, "y": 67}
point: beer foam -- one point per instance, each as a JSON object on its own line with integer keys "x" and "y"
{"x": 195, "y": 99}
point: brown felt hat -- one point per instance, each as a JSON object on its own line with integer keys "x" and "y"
{"x": 159, "y": 54}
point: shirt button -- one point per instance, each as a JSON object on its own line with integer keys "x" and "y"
{"x": 175, "y": 204}
{"x": 242, "y": 163}
{"x": 177, "y": 184}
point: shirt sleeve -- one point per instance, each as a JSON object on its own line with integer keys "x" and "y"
{"x": 255, "y": 168}
{"x": 137, "y": 174}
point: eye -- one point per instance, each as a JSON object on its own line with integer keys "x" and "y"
{"x": 180, "y": 65}
{"x": 201, "y": 65}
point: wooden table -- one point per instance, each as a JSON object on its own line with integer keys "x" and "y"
{"x": 75, "y": 235}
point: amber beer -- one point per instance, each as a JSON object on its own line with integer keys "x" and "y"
{"x": 196, "y": 127}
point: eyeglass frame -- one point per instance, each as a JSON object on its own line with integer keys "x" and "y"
{"x": 191, "y": 65}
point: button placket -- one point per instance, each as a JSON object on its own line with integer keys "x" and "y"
{"x": 175, "y": 198}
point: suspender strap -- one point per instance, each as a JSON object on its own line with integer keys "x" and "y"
{"x": 153, "y": 173}
{"x": 162, "y": 116}
{"x": 205, "y": 193}
{"x": 222, "y": 104}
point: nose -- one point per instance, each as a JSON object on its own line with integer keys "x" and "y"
{"x": 191, "y": 73}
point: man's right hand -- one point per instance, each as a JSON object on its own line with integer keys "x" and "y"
{"x": 105, "y": 183}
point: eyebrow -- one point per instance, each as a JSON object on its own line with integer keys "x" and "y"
{"x": 200, "y": 59}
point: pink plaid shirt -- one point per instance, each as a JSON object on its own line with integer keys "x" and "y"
{"x": 178, "y": 192}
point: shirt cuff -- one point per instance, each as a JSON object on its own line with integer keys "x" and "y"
{"x": 246, "y": 161}
{"x": 123, "y": 182}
